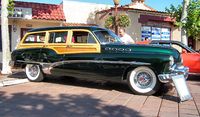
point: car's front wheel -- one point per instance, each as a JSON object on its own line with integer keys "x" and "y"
{"x": 143, "y": 81}
{"x": 34, "y": 73}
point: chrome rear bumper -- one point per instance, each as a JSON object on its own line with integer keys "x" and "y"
{"x": 180, "y": 70}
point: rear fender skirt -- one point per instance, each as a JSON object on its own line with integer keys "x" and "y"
{"x": 46, "y": 67}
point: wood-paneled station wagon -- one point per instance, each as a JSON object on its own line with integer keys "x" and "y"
{"x": 96, "y": 54}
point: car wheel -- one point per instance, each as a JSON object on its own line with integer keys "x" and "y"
{"x": 34, "y": 73}
{"x": 143, "y": 81}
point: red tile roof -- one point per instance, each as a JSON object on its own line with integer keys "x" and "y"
{"x": 78, "y": 24}
{"x": 155, "y": 15}
{"x": 43, "y": 11}
{"x": 123, "y": 8}
{"x": 134, "y": 4}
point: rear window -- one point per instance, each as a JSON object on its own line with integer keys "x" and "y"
{"x": 35, "y": 38}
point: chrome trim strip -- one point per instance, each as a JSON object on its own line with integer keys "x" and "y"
{"x": 46, "y": 67}
{"x": 181, "y": 70}
{"x": 103, "y": 61}
{"x": 196, "y": 74}
{"x": 32, "y": 62}
{"x": 88, "y": 61}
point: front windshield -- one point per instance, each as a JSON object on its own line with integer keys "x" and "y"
{"x": 106, "y": 37}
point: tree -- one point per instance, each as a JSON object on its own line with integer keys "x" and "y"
{"x": 6, "y": 5}
{"x": 191, "y": 22}
{"x": 184, "y": 21}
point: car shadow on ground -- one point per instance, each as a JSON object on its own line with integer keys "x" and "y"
{"x": 194, "y": 78}
{"x": 121, "y": 87}
{"x": 18, "y": 75}
{"x": 89, "y": 84}
{"x": 44, "y": 105}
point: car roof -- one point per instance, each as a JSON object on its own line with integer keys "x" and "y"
{"x": 165, "y": 41}
{"x": 92, "y": 28}
{"x": 172, "y": 42}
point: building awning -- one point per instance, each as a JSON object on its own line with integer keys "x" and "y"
{"x": 146, "y": 18}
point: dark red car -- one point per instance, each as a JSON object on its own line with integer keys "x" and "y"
{"x": 191, "y": 58}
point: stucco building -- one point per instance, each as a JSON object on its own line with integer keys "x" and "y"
{"x": 82, "y": 12}
{"x": 146, "y": 22}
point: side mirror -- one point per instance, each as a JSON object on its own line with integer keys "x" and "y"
{"x": 184, "y": 51}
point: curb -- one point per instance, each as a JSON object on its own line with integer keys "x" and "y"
{"x": 13, "y": 82}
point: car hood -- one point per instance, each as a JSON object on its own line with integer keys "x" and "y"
{"x": 133, "y": 48}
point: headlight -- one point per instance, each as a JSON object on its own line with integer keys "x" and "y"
{"x": 171, "y": 61}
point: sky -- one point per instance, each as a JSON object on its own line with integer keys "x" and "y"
{"x": 159, "y": 5}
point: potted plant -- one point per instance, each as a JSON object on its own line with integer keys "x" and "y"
{"x": 123, "y": 20}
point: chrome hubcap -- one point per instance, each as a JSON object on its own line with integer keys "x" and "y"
{"x": 143, "y": 80}
{"x": 33, "y": 70}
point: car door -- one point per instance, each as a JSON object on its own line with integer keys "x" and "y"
{"x": 54, "y": 49}
{"x": 55, "y": 46}
{"x": 83, "y": 50}
{"x": 57, "y": 41}
{"x": 83, "y": 41}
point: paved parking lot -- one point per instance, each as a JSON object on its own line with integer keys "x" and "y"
{"x": 64, "y": 97}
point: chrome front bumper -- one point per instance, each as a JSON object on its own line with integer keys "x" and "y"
{"x": 180, "y": 70}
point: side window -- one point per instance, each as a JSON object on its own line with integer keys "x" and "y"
{"x": 82, "y": 37}
{"x": 58, "y": 37}
{"x": 35, "y": 38}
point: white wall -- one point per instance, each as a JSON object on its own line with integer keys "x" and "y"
{"x": 134, "y": 30}
{"x": 176, "y": 33}
{"x": 81, "y": 12}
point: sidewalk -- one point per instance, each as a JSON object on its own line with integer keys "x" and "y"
{"x": 17, "y": 77}
{"x": 61, "y": 97}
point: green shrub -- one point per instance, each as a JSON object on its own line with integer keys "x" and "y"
{"x": 123, "y": 20}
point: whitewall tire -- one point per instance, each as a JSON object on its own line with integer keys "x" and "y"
{"x": 34, "y": 73}
{"x": 143, "y": 81}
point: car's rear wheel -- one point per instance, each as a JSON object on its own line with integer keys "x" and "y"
{"x": 143, "y": 81}
{"x": 34, "y": 73}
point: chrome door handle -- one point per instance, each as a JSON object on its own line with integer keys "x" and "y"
{"x": 68, "y": 46}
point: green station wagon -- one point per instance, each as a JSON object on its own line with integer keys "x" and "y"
{"x": 95, "y": 53}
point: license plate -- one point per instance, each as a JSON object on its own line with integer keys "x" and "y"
{"x": 181, "y": 87}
